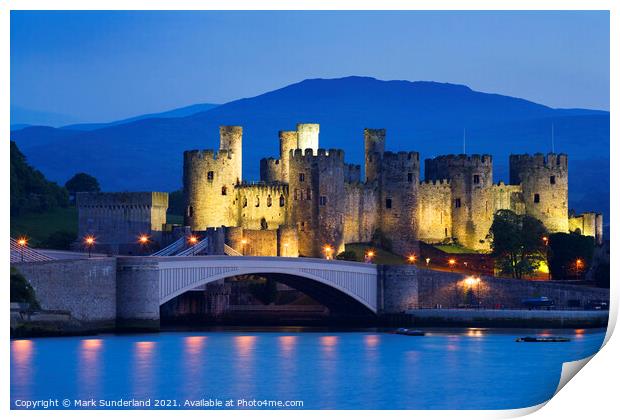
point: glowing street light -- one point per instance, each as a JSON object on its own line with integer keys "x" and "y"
{"x": 471, "y": 282}
{"x": 89, "y": 242}
{"x": 23, "y": 243}
{"x": 143, "y": 240}
{"x": 328, "y": 252}
{"x": 244, "y": 242}
{"x": 546, "y": 240}
{"x": 428, "y": 261}
{"x": 369, "y": 256}
{"x": 579, "y": 265}
{"x": 451, "y": 262}
{"x": 411, "y": 258}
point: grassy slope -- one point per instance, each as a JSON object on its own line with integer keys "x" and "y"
{"x": 38, "y": 226}
{"x": 456, "y": 249}
{"x": 382, "y": 256}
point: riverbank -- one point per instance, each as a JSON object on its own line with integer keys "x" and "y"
{"x": 62, "y": 324}
{"x": 501, "y": 318}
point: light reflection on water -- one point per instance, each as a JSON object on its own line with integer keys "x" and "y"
{"x": 370, "y": 370}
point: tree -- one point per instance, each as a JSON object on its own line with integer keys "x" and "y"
{"x": 30, "y": 191}
{"x": 570, "y": 255}
{"x": 516, "y": 242}
{"x": 82, "y": 182}
{"x": 61, "y": 239}
{"x": 22, "y": 291}
{"x": 347, "y": 256}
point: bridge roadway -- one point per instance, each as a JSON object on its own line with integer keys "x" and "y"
{"x": 338, "y": 284}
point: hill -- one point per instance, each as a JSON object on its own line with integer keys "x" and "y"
{"x": 428, "y": 117}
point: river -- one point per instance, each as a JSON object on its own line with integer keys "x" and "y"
{"x": 364, "y": 369}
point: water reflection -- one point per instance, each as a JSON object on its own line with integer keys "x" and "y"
{"x": 145, "y": 369}
{"x": 193, "y": 364}
{"x": 89, "y": 367}
{"x": 22, "y": 369}
{"x": 244, "y": 379}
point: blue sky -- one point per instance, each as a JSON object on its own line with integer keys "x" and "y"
{"x": 100, "y": 66}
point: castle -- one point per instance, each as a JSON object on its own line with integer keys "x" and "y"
{"x": 310, "y": 202}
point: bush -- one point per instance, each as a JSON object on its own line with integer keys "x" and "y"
{"x": 22, "y": 291}
{"x": 380, "y": 240}
{"x": 564, "y": 250}
{"x": 601, "y": 275}
{"x": 60, "y": 239}
{"x": 347, "y": 256}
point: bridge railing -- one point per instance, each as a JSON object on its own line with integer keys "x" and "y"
{"x": 194, "y": 250}
{"x": 231, "y": 251}
{"x": 23, "y": 253}
{"x": 172, "y": 249}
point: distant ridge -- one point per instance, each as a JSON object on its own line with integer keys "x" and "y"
{"x": 174, "y": 113}
{"x": 428, "y": 117}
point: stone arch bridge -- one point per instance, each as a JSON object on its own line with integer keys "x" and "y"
{"x": 146, "y": 283}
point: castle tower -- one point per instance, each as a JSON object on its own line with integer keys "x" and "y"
{"x": 209, "y": 181}
{"x": 231, "y": 137}
{"x": 399, "y": 179}
{"x": 374, "y": 147}
{"x": 544, "y": 181}
{"x": 316, "y": 201}
{"x": 288, "y": 142}
{"x": 472, "y": 206}
{"x": 308, "y": 136}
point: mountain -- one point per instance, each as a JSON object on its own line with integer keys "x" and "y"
{"x": 428, "y": 117}
{"x": 174, "y": 113}
{"x": 21, "y": 116}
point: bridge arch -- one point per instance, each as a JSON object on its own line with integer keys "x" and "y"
{"x": 344, "y": 282}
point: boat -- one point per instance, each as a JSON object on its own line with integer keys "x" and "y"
{"x": 542, "y": 339}
{"x": 407, "y": 331}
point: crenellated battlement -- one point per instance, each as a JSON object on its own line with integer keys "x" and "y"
{"x": 439, "y": 182}
{"x": 208, "y": 155}
{"x": 539, "y": 160}
{"x": 401, "y": 157}
{"x": 461, "y": 160}
{"x": 261, "y": 188}
{"x": 321, "y": 154}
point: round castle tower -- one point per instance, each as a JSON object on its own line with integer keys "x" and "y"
{"x": 544, "y": 181}
{"x": 399, "y": 180}
{"x": 374, "y": 147}
{"x": 209, "y": 179}
{"x": 316, "y": 200}
{"x": 472, "y": 209}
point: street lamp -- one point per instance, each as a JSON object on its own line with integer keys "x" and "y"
{"x": 451, "y": 262}
{"x": 471, "y": 282}
{"x": 243, "y": 244}
{"x": 578, "y": 265}
{"x": 328, "y": 252}
{"x": 23, "y": 243}
{"x": 411, "y": 258}
{"x": 193, "y": 240}
{"x": 428, "y": 261}
{"x": 89, "y": 242}
{"x": 369, "y": 256}
{"x": 143, "y": 240}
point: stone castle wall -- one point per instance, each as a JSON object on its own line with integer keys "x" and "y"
{"x": 587, "y": 224}
{"x": 261, "y": 206}
{"x": 360, "y": 214}
{"x": 116, "y": 220}
{"x": 470, "y": 179}
{"x": 544, "y": 182}
{"x": 209, "y": 179}
{"x": 398, "y": 200}
{"x": 434, "y": 215}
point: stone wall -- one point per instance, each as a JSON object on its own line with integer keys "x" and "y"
{"x": 360, "y": 214}
{"x": 434, "y": 215}
{"x": 137, "y": 291}
{"x": 544, "y": 182}
{"x": 261, "y": 206}
{"x": 209, "y": 179}
{"x": 85, "y": 287}
{"x": 116, "y": 220}
{"x": 588, "y": 224}
{"x": 408, "y": 287}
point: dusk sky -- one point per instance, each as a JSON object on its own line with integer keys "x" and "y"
{"x": 101, "y": 66}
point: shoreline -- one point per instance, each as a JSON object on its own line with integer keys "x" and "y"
{"x": 448, "y": 318}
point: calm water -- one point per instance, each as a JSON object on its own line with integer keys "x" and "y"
{"x": 459, "y": 369}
